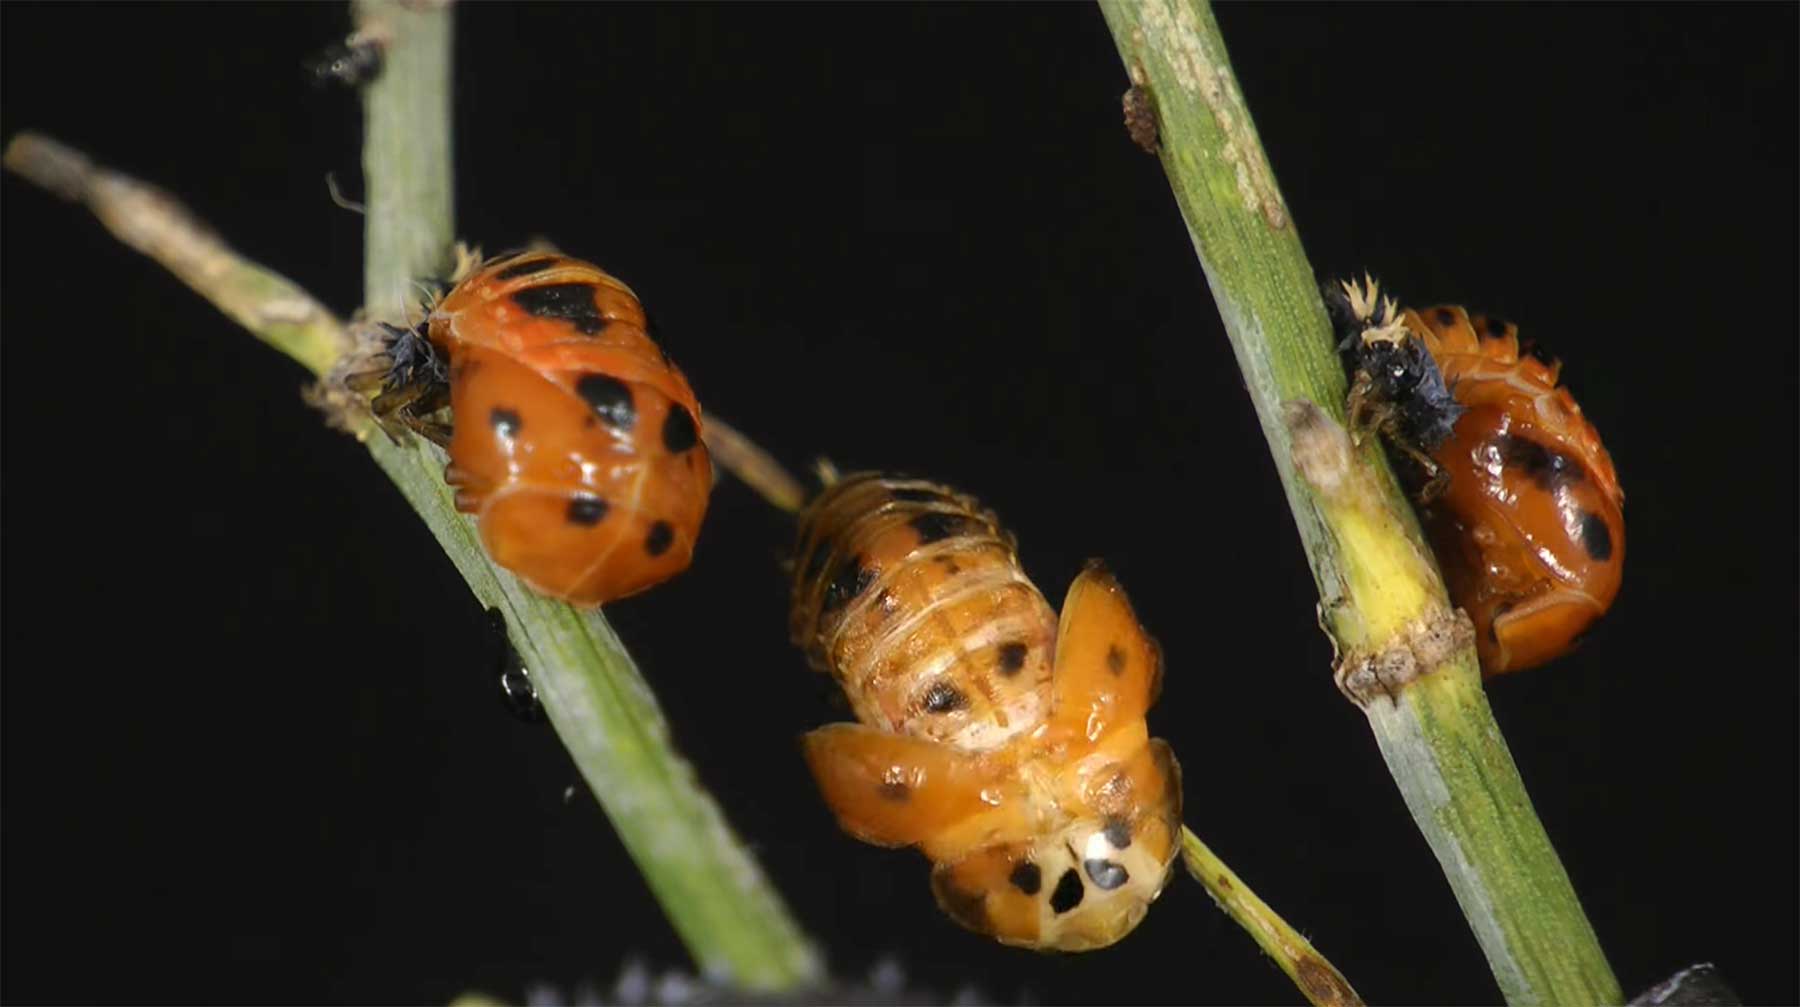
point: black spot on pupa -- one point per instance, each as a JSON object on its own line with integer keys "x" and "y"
{"x": 587, "y": 510}
{"x": 659, "y": 540}
{"x": 1117, "y": 832}
{"x": 950, "y": 565}
{"x": 571, "y": 302}
{"x": 1012, "y": 658}
{"x": 1446, "y": 317}
{"x": 912, "y": 494}
{"x": 1546, "y": 468}
{"x": 1106, "y": 873}
{"x": 849, "y": 583}
{"x": 506, "y": 422}
{"x": 943, "y": 697}
{"x": 935, "y": 526}
{"x": 1115, "y": 660}
{"x": 610, "y": 398}
{"x": 1069, "y": 891}
{"x": 526, "y": 268}
{"x": 1530, "y": 348}
{"x": 894, "y": 790}
{"x": 1595, "y": 537}
{"x": 679, "y": 432}
{"x": 1027, "y": 878}
{"x": 1496, "y": 327}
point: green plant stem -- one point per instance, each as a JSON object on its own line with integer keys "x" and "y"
{"x": 720, "y": 903}
{"x": 1404, "y": 655}
{"x": 1322, "y": 984}
{"x": 727, "y": 913}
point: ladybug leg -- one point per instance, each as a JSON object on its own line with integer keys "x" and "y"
{"x": 1437, "y": 477}
{"x": 368, "y": 382}
{"x": 435, "y": 431}
{"x": 470, "y": 491}
{"x": 1364, "y": 411}
{"x": 411, "y": 407}
{"x": 396, "y": 401}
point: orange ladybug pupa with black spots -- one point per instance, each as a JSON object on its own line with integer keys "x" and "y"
{"x": 1008, "y": 744}
{"x": 575, "y": 442}
{"x": 1520, "y": 500}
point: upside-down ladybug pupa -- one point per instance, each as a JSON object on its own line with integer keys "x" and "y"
{"x": 1008, "y": 745}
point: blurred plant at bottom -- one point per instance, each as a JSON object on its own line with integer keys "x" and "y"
{"x": 638, "y": 985}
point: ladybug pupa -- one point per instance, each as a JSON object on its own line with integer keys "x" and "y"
{"x": 1005, "y": 742}
{"x": 574, "y": 440}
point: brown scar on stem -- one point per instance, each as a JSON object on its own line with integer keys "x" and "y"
{"x": 1322, "y": 983}
{"x": 1427, "y": 644}
{"x": 1207, "y": 76}
{"x": 1140, "y": 111}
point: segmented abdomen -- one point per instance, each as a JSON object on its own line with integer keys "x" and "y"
{"x": 913, "y": 597}
{"x": 1482, "y": 361}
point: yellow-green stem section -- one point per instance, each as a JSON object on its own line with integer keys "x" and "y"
{"x": 1439, "y": 740}
{"x": 1322, "y": 984}
{"x": 731, "y": 919}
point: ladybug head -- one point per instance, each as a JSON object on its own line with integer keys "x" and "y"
{"x": 1075, "y": 889}
{"x": 1391, "y": 363}
{"x": 414, "y": 360}
{"x": 1395, "y": 367}
{"x": 1402, "y": 373}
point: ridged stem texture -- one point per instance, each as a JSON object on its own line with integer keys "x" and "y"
{"x": 1402, "y": 656}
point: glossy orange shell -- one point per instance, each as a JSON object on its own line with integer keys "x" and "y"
{"x": 576, "y": 442}
{"x": 1007, "y": 744}
{"x": 1531, "y": 530}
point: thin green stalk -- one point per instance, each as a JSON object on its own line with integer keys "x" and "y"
{"x": 1405, "y": 656}
{"x": 720, "y": 903}
{"x": 730, "y": 917}
{"x": 1321, "y": 983}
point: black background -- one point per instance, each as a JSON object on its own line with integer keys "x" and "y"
{"x": 250, "y": 748}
